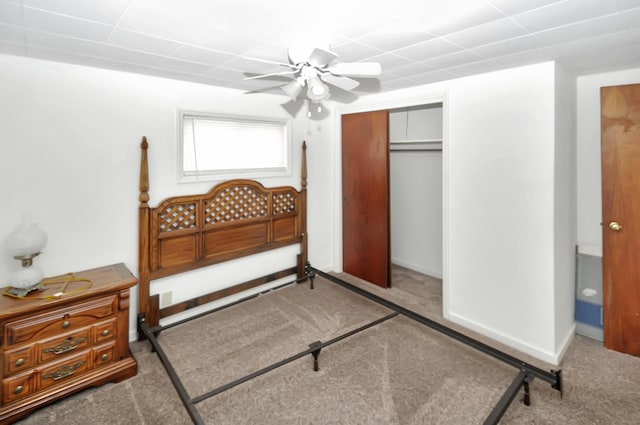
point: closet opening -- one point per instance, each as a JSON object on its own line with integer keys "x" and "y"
{"x": 416, "y": 201}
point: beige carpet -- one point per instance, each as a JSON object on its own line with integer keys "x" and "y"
{"x": 398, "y": 372}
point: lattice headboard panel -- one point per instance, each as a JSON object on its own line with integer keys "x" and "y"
{"x": 234, "y": 219}
{"x": 239, "y": 202}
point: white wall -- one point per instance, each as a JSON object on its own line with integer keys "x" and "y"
{"x": 589, "y": 181}
{"x": 500, "y": 210}
{"x": 70, "y": 154}
{"x": 416, "y": 211}
{"x": 565, "y": 228}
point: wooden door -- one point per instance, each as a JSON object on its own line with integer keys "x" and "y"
{"x": 366, "y": 232}
{"x": 620, "y": 107}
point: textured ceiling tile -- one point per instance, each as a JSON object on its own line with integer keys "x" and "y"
{"x": 11, "y": 33}
{"x": 507, "y": 47}
{"x": 626, "y": 4}
{"x": 389, "y": 61}
{"x": 408, "y": 70}
{"x": 394, "y": 38}
{"x": 129, "y": 56}
{"x": 142, "y": 42}
{"x": 201, "y": 55}
{"x": 226, "y": 74}
{"x": 428, "y": 49}
{"x": 102, "y": 11}
{"x": 453, "y": 59}
{"x": 353, "y": 51}
{"x": 491, "y": 32}
{"x": 64, "y": 25}
{"x": 268, "y": 51}
{"x": 10, "y": 13}
{"x": 213, "y": 38}
{"x": 451, "y": 16}
{"x": 511, "y": 7}
{"x": 585, "y": 29}
{"x": 159, "y": 23}
{"x": 12, "y": 48}
{"x": 56, "y": 55}
{"x": 183, "y": 66}
{"x": 62, "y": 43}
{"x": 563, "y": 13}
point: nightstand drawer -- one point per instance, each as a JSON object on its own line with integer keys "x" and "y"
{"x": 17, "y": 360}
{"x": 69, "y": 343}
{"x": 63, "y": 320}
{"x": 18, "y": 387}
{"x": 65, "y": 370}
{"x": 105, "y": 331}
{"x": 104, "y": 354}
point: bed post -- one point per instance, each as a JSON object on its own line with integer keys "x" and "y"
{"x": 303, "y": 257}
{"x": 143, "y": 239}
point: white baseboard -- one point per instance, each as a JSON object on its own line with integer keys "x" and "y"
{"x": 566, "y": 342}
{"x": 544, "y": 355}
{"x": 417, "y": 268}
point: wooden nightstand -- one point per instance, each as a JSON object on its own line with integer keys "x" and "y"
{"x": 53, "y": 348}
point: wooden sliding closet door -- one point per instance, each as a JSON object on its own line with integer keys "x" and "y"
{"x": 366, "y": 240}
{"x": 621, "y": 217}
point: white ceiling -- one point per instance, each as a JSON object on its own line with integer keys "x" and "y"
{"x": 416, "y": 41}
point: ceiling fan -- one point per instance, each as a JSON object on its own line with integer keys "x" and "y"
{"x": 312, "y": 70}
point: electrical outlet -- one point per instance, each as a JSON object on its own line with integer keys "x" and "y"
{"x": 165, "y": 299}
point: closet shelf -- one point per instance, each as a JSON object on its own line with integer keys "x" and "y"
{"x": 414, "y": 141}
{"x": 424, "y": 145}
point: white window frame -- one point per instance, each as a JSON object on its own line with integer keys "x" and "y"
{"x": 217, "y": 175}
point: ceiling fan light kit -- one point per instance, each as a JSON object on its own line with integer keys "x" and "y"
{"x": 293, "y": 88}
{"x": 317, "y": 91}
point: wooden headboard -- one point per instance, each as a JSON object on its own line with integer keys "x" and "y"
{"x": 234, "y": 219}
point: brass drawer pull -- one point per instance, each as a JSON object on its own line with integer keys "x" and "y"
{"x": 106, "y": 332}
{"x": 67, "y": 370}
{"x": 66, "y": 324}
{"x": 104, "y": 357}
{"x": 18, "y": 389}
{"x": 66, "y": 345}
{"x": 20, "y": 362}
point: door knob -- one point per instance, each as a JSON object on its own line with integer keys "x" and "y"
{"x": 615, "y": 226}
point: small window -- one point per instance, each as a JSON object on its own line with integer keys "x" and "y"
{"x": 215, "y": 147}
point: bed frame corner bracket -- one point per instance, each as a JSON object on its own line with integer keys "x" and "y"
{"x": 311, "y": 274}
{"x": 557, "y": 385}
{"x": 143, "y": 327}
{"x": 316, "y": 347}
{"x": 142, "y": 319}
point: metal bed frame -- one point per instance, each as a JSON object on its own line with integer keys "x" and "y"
{"x": 525, "y": 375}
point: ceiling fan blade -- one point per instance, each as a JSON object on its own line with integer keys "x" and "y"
{"x": 268, "y": 61}
{"x": 254, "y": 77}
{"x": 321, "y": 57}
{"x": 344, "y": 83}
{"x": 292, "y": 89}
{"x": 356, "y": 69}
